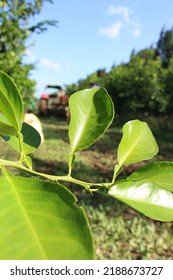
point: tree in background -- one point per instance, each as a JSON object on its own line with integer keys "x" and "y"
{"x": 138, "y": 85}
{"x": 15, "y": 17}
{"x": 95, "y": 78}
{"x": 143, "y": 85}
{"x": 168, "y": 86}
{"x": 165, "y": 46}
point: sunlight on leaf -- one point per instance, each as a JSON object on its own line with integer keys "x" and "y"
{"x": 92, "y": 112}
{"x": 160, "y": 173}
{"x": 31, "y": 139}
{"x": 11, "y": 105}
{"x": 39, "y": 220}
{"x": 146, "y": 197}
{"x": 137, "y": 143}
{"x": 6, "y": 127}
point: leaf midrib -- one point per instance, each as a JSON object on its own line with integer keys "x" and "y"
{"x": 12, "y": 109}
{"x": 131, "y": 149}
{"x": 82, "y": 130}
{"x": 27, "y": 218}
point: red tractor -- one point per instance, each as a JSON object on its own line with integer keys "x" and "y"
{"x": 54, "y": 102}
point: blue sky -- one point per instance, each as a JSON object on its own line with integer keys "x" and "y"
{"x": 93, "y": 34}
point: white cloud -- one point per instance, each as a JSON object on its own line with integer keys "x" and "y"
{"x": 29, "y": 53}
{"x": 43, "y": 61}
{"x": 120, "y": 10}
{"x": 126, "y": 21}
{"x": 113, "y": 31}
{"x": 50, "y": 64}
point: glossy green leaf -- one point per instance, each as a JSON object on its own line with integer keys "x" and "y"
{"x": 137, "y": 143}
{"x": 146, "y": 197}
{"x": 160, "y": 173}
{"x": 31, "y": 139}
{"x": 6, "y": 127}
{"x": 11, "y": 105}
{"x": 39, "y": 220}
{"x": 91, "y": 112}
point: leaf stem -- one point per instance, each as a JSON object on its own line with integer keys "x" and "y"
{"x": 66, "y": 178}
{"x": 117, "y": 170}
{"x": 21, "y": 147}
{"x": 23, "y": 157}
{"x": 71, "y": 159}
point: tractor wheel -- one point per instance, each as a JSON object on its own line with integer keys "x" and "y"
{"x": 43, "y": 107}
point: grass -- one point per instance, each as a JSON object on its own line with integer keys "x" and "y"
{"x": 118, "y": 231}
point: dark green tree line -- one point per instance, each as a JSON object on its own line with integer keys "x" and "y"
{"x": 15, "y": 29}
{"x": 164, "y": 46}
{"x": 144, "y": 85}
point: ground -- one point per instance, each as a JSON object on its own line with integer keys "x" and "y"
{"x": 119, "y": 232}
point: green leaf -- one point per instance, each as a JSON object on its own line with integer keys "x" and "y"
{"x": 11, "y": 105}
{"x": 146, "y": 197}
{"x": 6, "y": 127}
{"x": 160, "y": 173}
{"x": 31, "y": 139}
{"x": 91, "y": 112}
{"x": 40, "y": 220}
{"x": 137, "y": 143}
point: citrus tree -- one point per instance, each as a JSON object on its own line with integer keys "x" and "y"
{"x": 39, "y": 216}
{"x": 18, "y": 22}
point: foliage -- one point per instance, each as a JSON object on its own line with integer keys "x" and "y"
{"x": 138, "y": 86}
{"x": 165, "y": 46}
{"x": 92, "y": 79}
{"x": 168, "y": 88}
{"x": 88, "y": 120}
{"x": 142, "y": 86}
{"x": 118, "y": 231}
{"x": 15, "y": 28}
{"x": 35, "y": 204}
{"x": 37, "y": 223}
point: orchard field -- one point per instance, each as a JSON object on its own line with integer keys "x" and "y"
{"x": 140, "y": 88}
{"x": 119, "y": 232}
